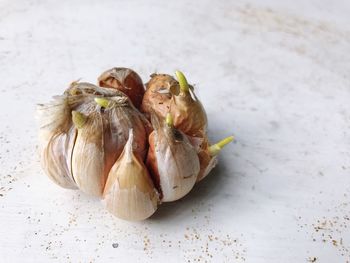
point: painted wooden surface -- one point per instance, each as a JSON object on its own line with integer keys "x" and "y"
{"x": 275, "y": 74}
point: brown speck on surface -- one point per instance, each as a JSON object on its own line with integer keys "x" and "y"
{"x": 115, "y": 245}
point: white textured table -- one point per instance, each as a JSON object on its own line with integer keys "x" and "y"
{"x": 275, "y": 75}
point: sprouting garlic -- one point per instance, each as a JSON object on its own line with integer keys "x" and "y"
{"x": 189, "y": 114}
{"x": 217, "y": 147}
{"x": 125, "y": 80}
{"x": 88, "y": 154}
{"x": 129, "y": 192}
{"x": 208, "y": 156}
{"x": 172, "y": 160}
{"x": 56, "y": 141}
{"x": 164, "y": 94}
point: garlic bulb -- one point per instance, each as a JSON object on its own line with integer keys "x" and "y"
{"x": 96, "y": 139}
{"x": 129, "y": 192}
{"x": 172, "y": 160}
{"x": 125, "y": 80}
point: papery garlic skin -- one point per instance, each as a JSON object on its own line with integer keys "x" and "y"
{"x": 77, "y": 88}
{"x": 88, "y": 156}
{"x": 126, "y": 80}
{"x": 207, "y": 154}
{"x": 207, "y": 163}
{"x": 206, "y": 160}
{"x": 173, "y": 162}
{"x": 129, "y": 192}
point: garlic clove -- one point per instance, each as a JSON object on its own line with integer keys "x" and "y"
{"x": 159, "y": 91}
{"x": 172, "y": 160}
{"x": 56, "y": 156}
{"x": 56, "y": 140}
{"x": 129, "y": 192}
{"x": 125, "y": 80}
{"x": 88, "y": 154}
{"x": 164, "y": 94}
{"x": 187, "y": 111}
